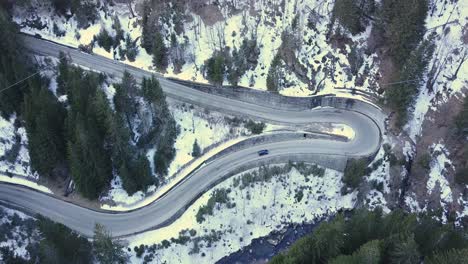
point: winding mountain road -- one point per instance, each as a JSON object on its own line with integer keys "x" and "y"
{"x": 366, "y": 120}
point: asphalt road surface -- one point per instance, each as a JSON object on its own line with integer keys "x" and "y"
{"x": 364, "y": 119}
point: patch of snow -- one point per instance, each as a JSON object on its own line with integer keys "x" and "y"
{"x": 24, "y": 181}
{"x": 16, "y": 242}
{"x": 342, "y": 130}
{"x": 19, "y": 169}
{"x": 206, "y": 129}
{"x": 258, "y": 210}
{"x": 382, "y": 173}
{"x": 408, "y": 150}
{"x": 437, "y": 171}
{"x": 124, "y": 202}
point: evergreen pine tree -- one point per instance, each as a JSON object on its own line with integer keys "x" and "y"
{"x": 119, "y": 36}
{"x": 401, "y": 96}
{"x": 131, "y": 49}
{"x": 215, "y": 68}
{"x": 105, "y": 40}
{"x": 160, "y": 53}
{"x": 108, "y": 251}
{"x": 89, "y": 132}
{"x": 44, "y": 117}
{"x": 273, "y": 77}
{"x": 196, "y": 151}
{"x": 403, "y": 24}
{"x": 13, "y": 67}
{"x": 405, "y": 251}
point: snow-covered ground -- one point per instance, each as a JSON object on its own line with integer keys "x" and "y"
{"x": 438, "y": 165}
{"x": 15, "y": 168}
{"x": 448, "y": 21}
{"x": 380, "y": 177}
{"x": 17, "y": 237}
{"x": 200, "y": 39}
{"x": 254, "y": 211}
{"x": 262, "y": 20}
{"x": 212, "y": 133}
{"x": 342, "y": 130}
{"x": 13, "y": 149}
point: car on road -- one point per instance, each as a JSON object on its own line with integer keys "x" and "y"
{"x": 263, "y": 152}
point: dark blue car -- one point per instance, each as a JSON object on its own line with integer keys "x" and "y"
{"x": 263, "y": 152}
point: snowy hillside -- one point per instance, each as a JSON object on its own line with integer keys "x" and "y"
{"x": 319, "y": 66}
{"x": 251, "y": 210}
{"x": 291, "y": 47}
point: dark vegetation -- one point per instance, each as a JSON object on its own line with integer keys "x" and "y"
{"x": 461, "y": 135}
{"x": 165, "y": 127}
{"x": 107, "y": 250}
{"x": 131, "y": 49}
{"x": 13, "y": 68}
{"x": 425, "y": 161}
{"x": 353, "y": 15}
{"x": 105, "y": 40}
{"x": 402, "y": 27}
{"x": 354, "y": 171}
{"x": 254, "y": 127}
{"x": 266, "y": 173}
{"x": 160, "y": 53}
{"x": 62, "y": 245}
{"x": 461, "y": 120}
{"x": 155, "y": 14}
{"x": 83, "y": 136}
{"x": 196, "y": 150}
{"x": 371, "y": 237}
{"x": 105, "y": 140}
{"x": 89, "y": 132}
{"x": 219, "y": 196}
{"x": 401, "y": 96}
{"x": 274, "y": 75}
{"x": 44, "y": 118}
{"x": 25, "y": 93}
{"x": 130, "y": 162}
{"x": 224, "y": 65}
{"x": 215, "y": 68}
{"x": 85, "y": 11}
{"x": 50, "y": 242}
{"x": 243, "y": 60}
{"x": 185, "y": 237}
{"x": 402, "y": 24}
{"x": 398, "y": 29}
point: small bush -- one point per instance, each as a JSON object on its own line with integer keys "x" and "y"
{"x": 354, "y": 171}
{"x": 105, "y": 40}
{"x": 299, "y": 195}
{"x": 255, "y": 128}
{"x": 139, "y": 250}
